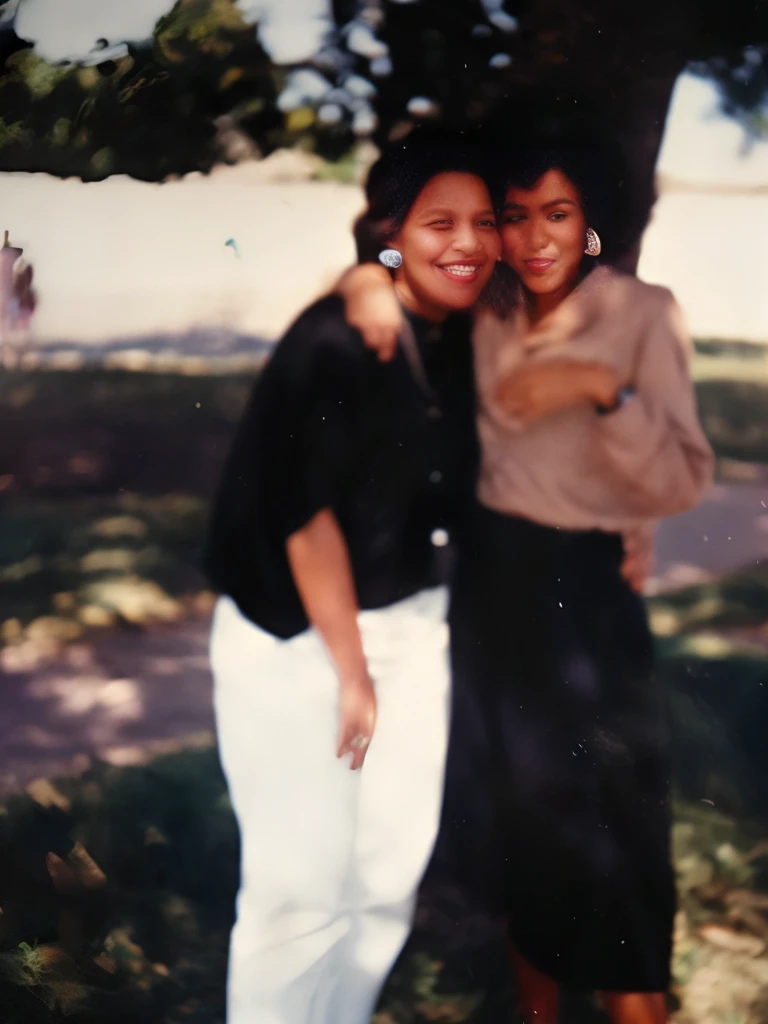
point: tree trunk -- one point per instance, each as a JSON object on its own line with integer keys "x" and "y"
{"x": 641, "y": 113}
{"x": 622, "y": 61}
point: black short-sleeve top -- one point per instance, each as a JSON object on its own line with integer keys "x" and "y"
{"x": 390, "y": 451}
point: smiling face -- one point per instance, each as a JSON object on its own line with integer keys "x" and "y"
{"x": 449, "y": 244}
{"x": 543, "y": 235}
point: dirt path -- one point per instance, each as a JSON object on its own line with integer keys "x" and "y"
{"x": 128, "y": 697}
{"x": 728, "y": 531}
{"x": 135, "y": 694}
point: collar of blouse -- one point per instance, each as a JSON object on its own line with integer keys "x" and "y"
{"x": 573, "y": 317}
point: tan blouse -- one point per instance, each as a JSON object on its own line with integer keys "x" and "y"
{"x": 576, "y": 469}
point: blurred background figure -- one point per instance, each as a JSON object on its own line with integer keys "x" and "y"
{"x": 17, "y": 302}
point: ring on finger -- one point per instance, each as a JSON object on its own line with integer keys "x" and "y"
{"x": 359, "y": 742}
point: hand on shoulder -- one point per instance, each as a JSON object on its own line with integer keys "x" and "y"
{"x": 372, "y": 308}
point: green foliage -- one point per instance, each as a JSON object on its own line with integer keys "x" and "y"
{"x": 345, "y": 170}
{"x": 154, "y": 112}
{"x": 68, "y": 565}
{"x": 102, "y": 161}
{"x": 38, "y": 76}
{"x": 732, "y": 391}
{"x": 149, "y": 114}
{"x": 60, "y": 132}
{"x": 193, "y": 25}
{"x": 130, "y": 922}
{"x": 14, "y": 133}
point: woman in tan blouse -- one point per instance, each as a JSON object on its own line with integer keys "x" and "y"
{"x": 556, "y": 802}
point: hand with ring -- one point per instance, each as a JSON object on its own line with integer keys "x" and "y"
{"x": 357, "y": 718}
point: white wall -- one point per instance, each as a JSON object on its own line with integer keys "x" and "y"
{"x": 711, "y": 248}
{"x": 123, "y": 259}
{"x": 712, "y": 251}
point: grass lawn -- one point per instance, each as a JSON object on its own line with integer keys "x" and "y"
{"x": 732, "y": 390}
{"x": 105, "y": 478}
{"x": 98, "y": 560}
{"x": 118, "y": 893}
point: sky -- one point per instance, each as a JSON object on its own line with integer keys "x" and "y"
{"x": 291, "y": 30}
{"x": 702, "y": 145}
{"x": 70, "y": 29}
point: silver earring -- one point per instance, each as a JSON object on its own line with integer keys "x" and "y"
{"x": 391, "y": 258}
{"x": 594, "y": 246}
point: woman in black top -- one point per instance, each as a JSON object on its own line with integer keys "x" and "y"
{"x": 330, "y": 544}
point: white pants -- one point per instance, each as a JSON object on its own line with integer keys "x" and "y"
{"x": 330, "y": 858}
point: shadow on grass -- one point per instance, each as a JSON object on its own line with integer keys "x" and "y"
{"x": 118, "y": 893}
{"x": 99, "y": 560}
{"x": 147, "y": 941}
{"x": 100, "y": 431}
{"x": 118, "y": 896}
{"x": 154, "y": 432}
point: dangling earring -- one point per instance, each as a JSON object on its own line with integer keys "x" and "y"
{"x": 391, "y": 258}
{"x": 594, "y": 247}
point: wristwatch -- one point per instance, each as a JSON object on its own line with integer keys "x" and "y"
{"x": 622, "y": 397}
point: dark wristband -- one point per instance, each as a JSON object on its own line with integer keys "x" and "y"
{"x": 622, "y": 397}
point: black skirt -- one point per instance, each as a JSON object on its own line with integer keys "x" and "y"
{"x": 557, "y": 809}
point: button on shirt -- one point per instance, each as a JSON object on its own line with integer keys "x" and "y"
{"x": 329, "y": 426}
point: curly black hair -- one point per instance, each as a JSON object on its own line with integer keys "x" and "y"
{"x": 599, "y": 177}
{"x": 536, "y": 130}
{"x": 617, "y": 208}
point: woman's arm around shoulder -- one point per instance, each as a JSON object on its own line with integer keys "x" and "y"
{"x": 371, "y": 307}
